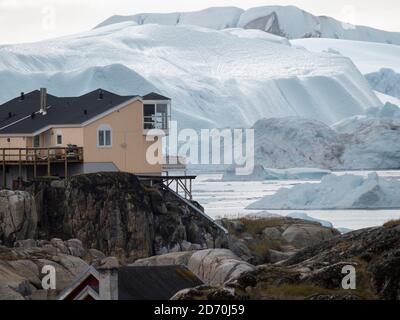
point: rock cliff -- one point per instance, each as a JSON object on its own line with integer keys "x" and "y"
{"x": 18, "y": 216}
{"x": 111, "y": 212}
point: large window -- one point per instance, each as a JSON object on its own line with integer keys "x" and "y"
{"x": 104, "y": 136}
{"x": 156, "y": 116}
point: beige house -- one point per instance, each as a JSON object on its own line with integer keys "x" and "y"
{"x": 45, "y": 135}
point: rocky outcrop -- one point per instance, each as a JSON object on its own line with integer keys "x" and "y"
{"x": 110, "y": 212}
{"x": 272, "y": 239}
{"x": 302, "y": 235}
{"x": 213, "y": 266}
{"x": 18, "y": 216}
{"x": 21, "y": 267}
{"x": 316, "y": 272}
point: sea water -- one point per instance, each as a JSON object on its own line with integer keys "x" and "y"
{"x": 230, "y": 198}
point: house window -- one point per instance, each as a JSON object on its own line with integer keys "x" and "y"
{"x": 59, "y": 141}
{"x": 104, "y": 136}
{"x": 36, "y": 141}
{"x": 156, "y": 116}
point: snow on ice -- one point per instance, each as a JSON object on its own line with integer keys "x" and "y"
{"x": 207, "y": 73}
{"x": 290, "y": 21}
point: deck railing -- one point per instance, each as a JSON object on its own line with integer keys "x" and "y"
{"x": 38, "y": 157}
{"x": 29, "y": 156}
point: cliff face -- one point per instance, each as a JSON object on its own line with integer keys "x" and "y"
{"x": 18, "y": 216}
{"x": 116, "y": 214}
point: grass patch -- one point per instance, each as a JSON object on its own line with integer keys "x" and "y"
{"x": 392, "y": 223}
{"x": 262, "y": 247}
{"x": 294, "y": 291}
{"x": 304, "y": 291}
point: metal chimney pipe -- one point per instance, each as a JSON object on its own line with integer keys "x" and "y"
{"x": 43, "y": 100}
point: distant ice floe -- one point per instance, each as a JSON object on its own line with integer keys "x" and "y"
{"x": 305, "y": 216}
{"x": 260, "y": 173}
{"x": 336, "y": 192}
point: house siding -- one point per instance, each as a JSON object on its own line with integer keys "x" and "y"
{"x": 69, "y": 136}
{"x": 15, "y": 142}
{"x": 129, "y": 145}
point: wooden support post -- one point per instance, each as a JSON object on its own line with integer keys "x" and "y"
{"x": 190, "y": 189}
{"x": 4, "y": 169}
{"x": 66, "y": 167}
{"x": 48, "y": 163}
{"x": 20, "y": 169}
{"x": 20, "y": 163}
{"x": 34, "y": 164}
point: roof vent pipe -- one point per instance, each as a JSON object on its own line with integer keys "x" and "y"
{"x": 43, "y": 101}
{"x": 101, "y": 95}
{"x": 22, "y": 96}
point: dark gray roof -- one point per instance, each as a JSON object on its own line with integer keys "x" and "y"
{"x": 17, "y": 109}
{"x": 154, "y": 282}
{"x": 155, "y": 96}
{"x": 61, "y": 110}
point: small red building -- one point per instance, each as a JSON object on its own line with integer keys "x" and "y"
{"x": 130, "y": 283}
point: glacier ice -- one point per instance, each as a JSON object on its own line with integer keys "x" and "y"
{"x": 336, "y": 192}
{"x": 290, "y": 21}
{"x": 208, "y": 74}
{"x": 386, "y": 81}
{"x": 367, "y": 56}
{"x": 370, "y": 141}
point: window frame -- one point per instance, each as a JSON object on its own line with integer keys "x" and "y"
{"x": 104, "y": 128}
{"x": 156, "y": 104}
{"x": 36, "y": 145}
{"x": 57, "y": 136}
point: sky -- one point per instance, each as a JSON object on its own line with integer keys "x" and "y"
{"x": 34, "y": 20}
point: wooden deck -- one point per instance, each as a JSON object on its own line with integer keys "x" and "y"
{"x": 36, "y": 157}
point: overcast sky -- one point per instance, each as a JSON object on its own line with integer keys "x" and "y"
{"x": 33, "y": 20}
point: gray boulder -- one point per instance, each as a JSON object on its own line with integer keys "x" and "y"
{"x": 20, "y": 269}
{"x": 212, "y": 266}
{"x": 272, "y": 233}
{"x": 304, "y": 235}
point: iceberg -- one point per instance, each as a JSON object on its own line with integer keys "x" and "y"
{"x": 290, "y": 21}
{"x": 364, "y": 142}
{"x": 208, "y": 74}
{"x": 336, "y": 192}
